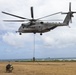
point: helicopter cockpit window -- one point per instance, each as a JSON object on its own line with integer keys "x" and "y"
{"x": 41, "y": 22}
{"x": 24, "y": 25}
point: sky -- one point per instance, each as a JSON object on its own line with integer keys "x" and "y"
{"x": 57, "y": 43}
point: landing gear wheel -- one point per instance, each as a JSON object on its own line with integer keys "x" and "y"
{"x": 20, "y": 33}
{"x": 34, "y": 32}
{"x": 40, "y": 33}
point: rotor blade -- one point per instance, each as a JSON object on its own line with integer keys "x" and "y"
{"x": 13, "y": 20}
{"x": 64, "y": 12}
{"x": 49, "y": 15}
{"x": 69, "y": 6}
{"x": 53, "y": 20}
{"x": 32, "y": 14}
{"x": 74, "y": 12}
{"x": 14, "y": 15}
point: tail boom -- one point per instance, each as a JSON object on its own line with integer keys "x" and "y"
{"x": 69, "y": 15}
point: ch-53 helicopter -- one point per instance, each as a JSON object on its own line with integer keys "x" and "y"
{"x": 38, "y": 26}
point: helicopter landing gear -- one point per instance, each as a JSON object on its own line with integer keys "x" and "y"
{"x": 20, "y": 33}
{"x": 40, "y": 33}
{"x": 34, "y": 32}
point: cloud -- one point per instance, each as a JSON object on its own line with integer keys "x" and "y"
{"x": 64, "y": 37}
{"x": 16, "y": 40}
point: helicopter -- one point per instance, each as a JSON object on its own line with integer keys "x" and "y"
{"x": 37, "y": 25}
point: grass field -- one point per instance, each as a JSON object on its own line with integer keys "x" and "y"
{"x": 40, "y": 68}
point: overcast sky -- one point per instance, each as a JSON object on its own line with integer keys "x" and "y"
{"x": 60, "y": 42}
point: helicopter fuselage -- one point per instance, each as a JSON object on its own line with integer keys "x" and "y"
{"x": 38, "y": 27}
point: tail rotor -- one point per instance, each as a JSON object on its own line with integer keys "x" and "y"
{"x": 70, "y": 13}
